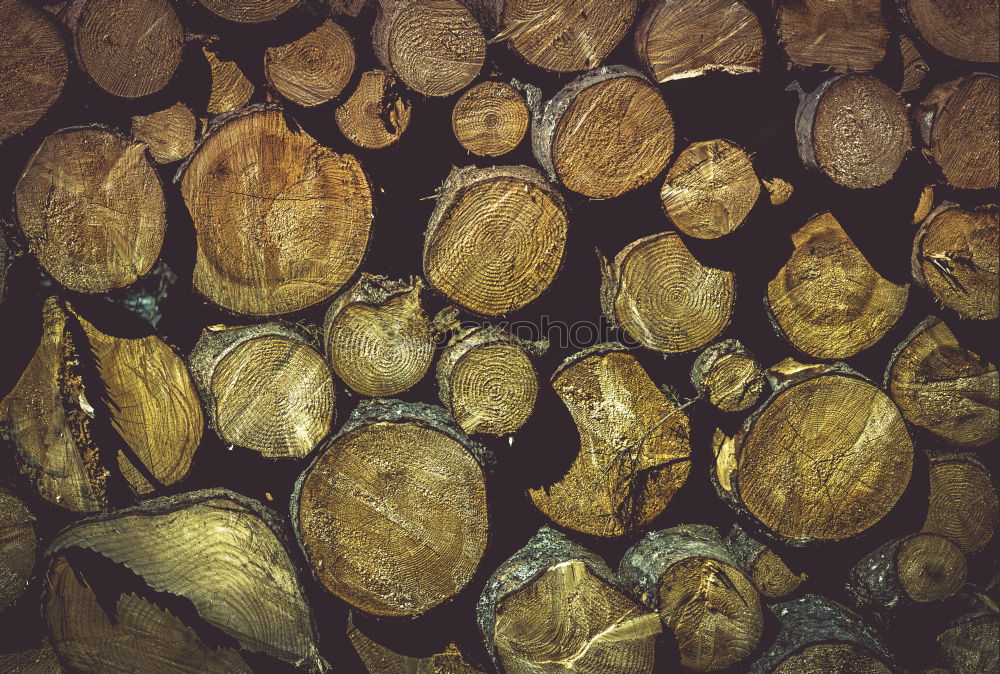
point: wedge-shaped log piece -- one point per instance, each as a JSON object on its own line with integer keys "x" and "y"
{"x": 768, "y": 572}
{"x": 379, "y": 659}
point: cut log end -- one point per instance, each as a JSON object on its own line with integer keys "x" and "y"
{"x": 969, "y": 31}
{"x": 230, "y": 88}
{"x": 490, "y": 119}
{"x": 847, "y": 36}
{"x": 963, "y": 505}
{"x": 930, "y": 567}
{"x": 729, "y": 376}
{"x": 18, "y": 547}
{"x": 169, "y": 134}
{"x": 314, "y": 68}
{"x": 375, "y": 115}
{"x": 252, "y": 11}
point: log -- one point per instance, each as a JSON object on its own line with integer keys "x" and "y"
{"x": 490, "y": 119}
{"x": 664, "y": 297}
{"x": 230, "y": 89}
{"x": 635, "y": 450}
{"x": 223, "y": 553}
{"x": 969, "y": 31}
{"x": 496, "y": 238}
{"x": 915, "y": 569}
{"x": 959, "y": 127}
{"x": 265, "y": 388}
{"x": 688, "y": 577}
{"x": 854, "y": 130}
{"x": 486, "y": 380}
{"x": 970, "y": 641}
{"x": 767, "y": 571}
{"x": 925, "y": 202}
{"x": 817, "y": 635}
{"x": 169, "y": 134}
{"x": 827, "y": 300}
{"x": 346, "y": 7}
{"x": 18, "y": 547}
{"x": 376, "y": 114}
{"x": 392, "y": 513}
{"x": 435, "y": 48}
{"x": 313, "y": 69}
{"x": 710, "y": 189}
{"x": 944, "y": 387}
{"x": 915, "y": 68}
{"x": 962, "y": 504}
{"x": 377, "y": 336}
{"x": 841, "y": 36}
{"x": 954, "y": 257}
{"x": 91, "y": 209}
{"x": 556, "y": 607}
{"x": 35, "y": 66}
{"x": 249, "y": 11}
{"x": 129, "y": 48}
{"x": 677, "y": 39}
{"x": 728, "y": 375}
{"x": 379, "y": 659}
{"x": 570, "y": 137}
{"x": 562, "y": 35}
{"x": 825, "y": 458}
{"x": 779, "y": 190}
{"x": 41, "y": 660}
{"x": 282, "y": 221}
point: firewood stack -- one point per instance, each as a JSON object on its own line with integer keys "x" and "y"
{"x": 499, "y": 336}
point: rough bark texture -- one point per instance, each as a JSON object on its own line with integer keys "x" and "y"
{"x": 769, "y": 573}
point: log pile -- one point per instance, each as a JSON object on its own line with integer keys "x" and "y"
{"x": 499, "y": 336}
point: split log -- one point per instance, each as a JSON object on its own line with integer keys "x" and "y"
{"x": 223, "y": 553}
{"x": 710, "y": 189}
{"x": 843, "y": 36}
{"x": 564, "y": 35}
{"x": 925, "y": 202}
{"x": 728, "y": 375}
{"x": 379, "y": 659}
{"x": 827, "y": 300}
{"x": 824, "y": 459}
{"x": 496, "y": 238}
{"x": 915, "y": 68}
{"x": 664, "y": 297}
{"x": 375, "y": 115}
{"x": 282, "y": 221}
{"x": 264, "y": 388}
{"x": 768, "y": 572}
{"x": 945, "y": 388}
{"x": 686, "y": 574}
{"x": 490, "y": 119}
{"x": 378, "y": 337}
{"x": 18, "y": 548}
{"x": 91, "y": 208}
{"x": 555, "y": 607}
{"x": 687, "y": 38}
{"x": 230, "y": 89}
{"x": 169, "y": 134}
{"x": 435, "y": 48}
{"x": 129, "y": 48}
{"x": 902, "y": 572}
{"x": 392, "y": 514}
{"x": 955, "y": 257}
{"x": 960, "y": 127}
{"x": 817, "y": 636}
{"x": 635, "y": 450}
{"x": 249, "y": 11}
{"x": 35, "y": 66}
{"x": 314, "y": 68}
{"x": 970, "y": 643}
{"x": 854, "y": 130}
{"x": 779, "y": 190}
{"x": 962, "y": 505}
{"x": 570, "y": 137}
{"x": 969, "y": 31}
{"x": 41, "y": 660}
{"x": 486, "y": 379}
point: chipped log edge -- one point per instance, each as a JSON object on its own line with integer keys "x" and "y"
{"x": 69, "y": 538}
{"x": 916, "y": 256}
{"x": 546, "y": 549}
{"x": 712, "y": 354}
{"x": 813, "y": 619}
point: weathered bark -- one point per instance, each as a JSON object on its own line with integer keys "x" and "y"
{"x": 728, "y": 375}
{"x": 376, "y": 114}
{"x": 314, "y": 68}
{"x": 969, "y": 31}
{"x": 18, "y": 547}
{"x": 962, "y": 504}
{"x": 169, "y": 134}
{"x": 848, "y": 35}
{"x": 490, "y": 119}
{"x": 768, "y": 572}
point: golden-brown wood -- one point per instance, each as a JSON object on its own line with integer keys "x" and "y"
{"x": 779, "y": 190}
{"x": 379, "y": 659}
{"x": 35, "y": 66}
{"x": 375, "y": 115}
{"x": 915, "y": 68}
{"x": 925, "y": 202}
{"x": 18, "y": 547}
{"x": 710, "y": 189}
{"x": 968, "y": 30}
{"x": 392, "y": 514}
{"x": 828, "y": 300}
{"x": 676, "y": 39}
{"x": 249, "y": 11}
{"x": 944, "y": 387}
{"x": 664, "y": 297}
{"x": 282, "y": 221}
{"x": 843, "y": 36}
{"x": 230, "y": 89}
{"x": 728, "y": 375}
{"x": 91, "y": 208}
{"x": 264, "y": 388}
{"x": 169, "y": 133}
{"x": 962, "y": 504}
{"x": 634, "y": 446}
{"x": 769, "y": 573}
{"x": 314, "y": 68}
{"x": 496, "y": 238}
{"x": 490, "y": 119}
{"x": 377, "y": 335}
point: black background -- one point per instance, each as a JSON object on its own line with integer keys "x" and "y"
{"x": 755, "y": 111}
